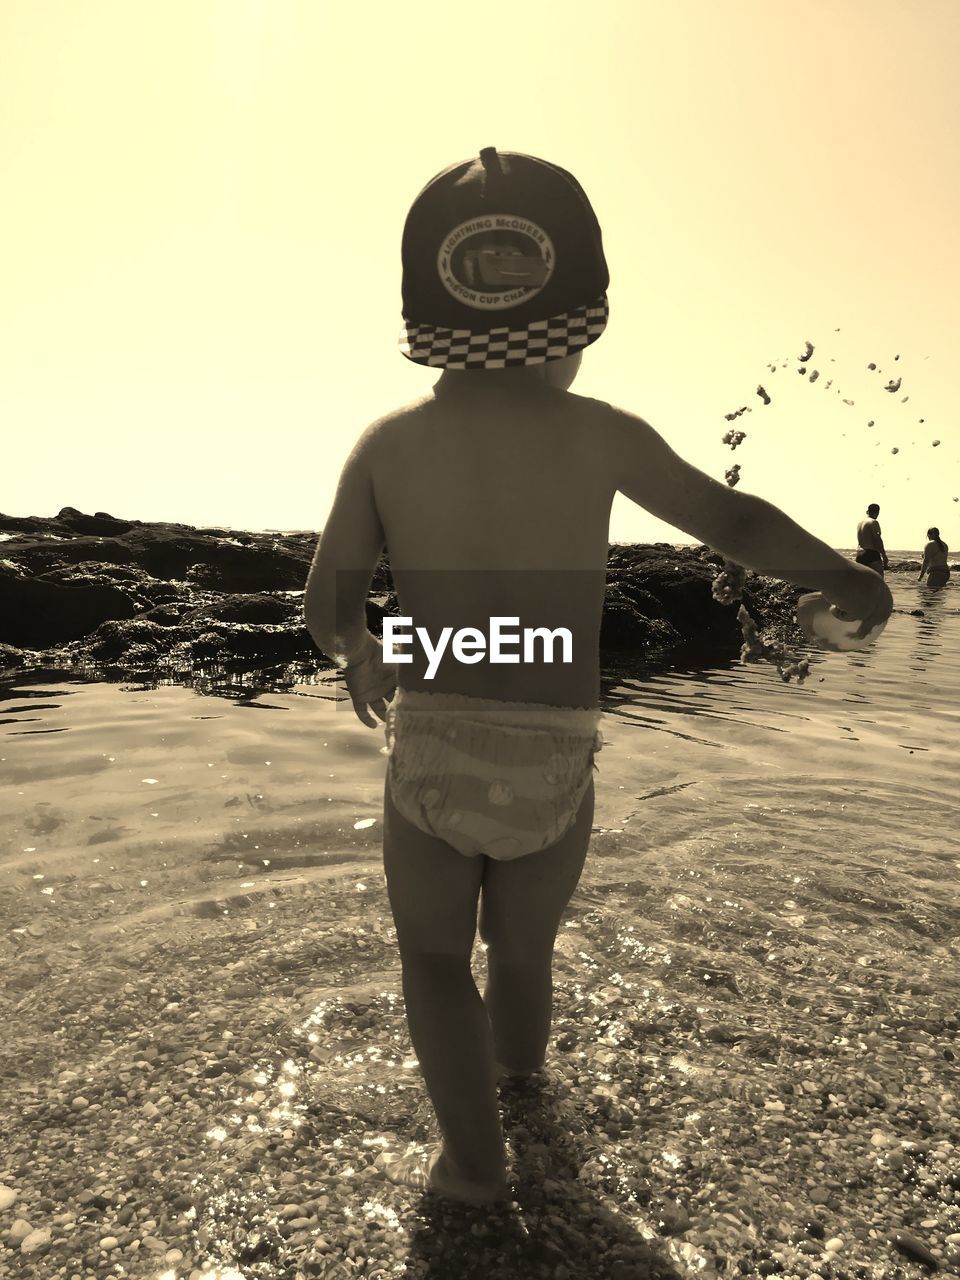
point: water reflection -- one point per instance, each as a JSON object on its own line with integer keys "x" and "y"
{"x": 928, "y": 647}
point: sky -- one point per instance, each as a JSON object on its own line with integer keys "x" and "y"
{"x": 203, "y": 200}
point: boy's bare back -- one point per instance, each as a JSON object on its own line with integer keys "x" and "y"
{"x": 495, "y": 501}
{"x": 493, "y": 498}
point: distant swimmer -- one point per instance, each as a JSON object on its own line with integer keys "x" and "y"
{"x": 872, "y": 552}
{"x": 935, "y": 564}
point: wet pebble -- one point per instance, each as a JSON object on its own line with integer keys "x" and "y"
{"x": 7, "y": 1197}
{"x": 36, "y": 1241}
{"x": 913, "y": 1248}
{"x": 672, "y": 1218}
{"x": 770, "y": 1204}
{"x": 722, "y": 1033}
{"x": 19, "y": 1231}
{"x": 290, "y": 1211}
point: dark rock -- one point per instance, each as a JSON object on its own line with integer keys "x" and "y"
{"x": 18, "y": 524}
{"x": 164, "y": 615}
{"x": 34, "y": 613}
{"x": 166, "y": 593}
{"x": 219, "y": 565}
{"x": 913, "y": 1249}
{"x": 671, "y": 1218}
{"x": 215, "y": 594}
{"x": 249, "y": 609}
{"x": 625, "y": 626}
{"x": 99, "y": 525}
{"x": 721, "y": 1033}
{"x": 206, "y": 646}
{"x": 116, "y": 637}
{"x": 33, "y": 526}
{"x": 675, "y": 585}
{"x": 11, "y": 658}
{"x": 39, "y": 555}
{"x": 376, "y": 611}
{"x": 142, "y": 658}
{"x": 271, "y": 643}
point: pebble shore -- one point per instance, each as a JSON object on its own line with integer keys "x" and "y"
{"x": 199, "y": 1106}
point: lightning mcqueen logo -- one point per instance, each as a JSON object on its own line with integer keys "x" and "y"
{"x": 495, "y": 262}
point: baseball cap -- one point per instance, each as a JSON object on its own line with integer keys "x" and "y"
{"x": 502, "y": 265}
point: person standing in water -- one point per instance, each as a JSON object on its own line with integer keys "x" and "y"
{"x": 935, "y": 561}
{"x": 872, "y": 552}
{"x": 493, "y": 494}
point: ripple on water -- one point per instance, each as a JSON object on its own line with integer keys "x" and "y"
{"x": 723, "y": 795}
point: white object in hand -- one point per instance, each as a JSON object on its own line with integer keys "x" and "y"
{"x": 830, "y": 628}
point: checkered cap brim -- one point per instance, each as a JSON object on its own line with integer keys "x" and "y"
{"x": 536, "y": 343}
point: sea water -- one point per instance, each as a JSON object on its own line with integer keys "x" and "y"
{"x": 732, "y": 809}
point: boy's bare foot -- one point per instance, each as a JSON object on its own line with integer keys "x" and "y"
{"x": 505, "y": 1075}
{"x": 428, "y": 1169}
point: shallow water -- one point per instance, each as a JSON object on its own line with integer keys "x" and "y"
{"x": 742, "y": 823}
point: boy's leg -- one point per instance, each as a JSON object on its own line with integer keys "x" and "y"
{"x": 522, "y": 904}
{"x": 433, "y": 893}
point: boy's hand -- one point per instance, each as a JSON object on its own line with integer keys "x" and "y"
{"x": 865, "y": 598}
{"x": 371, "y": 683}
{"x": 848, "y": 620}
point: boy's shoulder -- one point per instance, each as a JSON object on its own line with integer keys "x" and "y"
{"x": 389, "y": 424}
{"x": 620, "y": 425}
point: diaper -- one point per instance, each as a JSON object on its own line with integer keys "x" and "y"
{"x": 499, "y": 778}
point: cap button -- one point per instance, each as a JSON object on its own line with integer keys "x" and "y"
{"x": 492, "y": 171}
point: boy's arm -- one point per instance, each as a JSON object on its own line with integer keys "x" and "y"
{"x": 334, "y": 603}
{"x": 745, "y": 528}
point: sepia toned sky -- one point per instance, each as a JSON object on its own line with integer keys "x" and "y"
{"x": 202, "y": 205}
